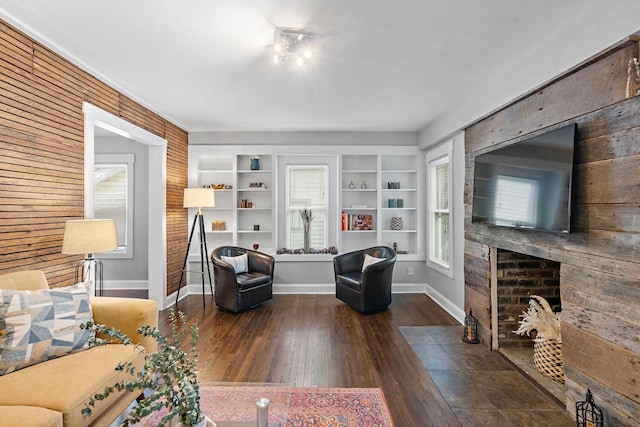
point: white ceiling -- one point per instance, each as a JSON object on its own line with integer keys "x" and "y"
{"x": 379, "y": 65}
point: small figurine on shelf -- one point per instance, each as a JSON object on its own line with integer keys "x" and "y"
{"x": 351, "y": 185}
{"x": 363, "y": 185}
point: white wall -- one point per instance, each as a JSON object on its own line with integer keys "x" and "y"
{"x": 297, "y": 276}
{"x": 304, "y": 138}
{"x": 593, "y": 28}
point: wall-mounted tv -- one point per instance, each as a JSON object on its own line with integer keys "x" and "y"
{"x": 527, "y": 184}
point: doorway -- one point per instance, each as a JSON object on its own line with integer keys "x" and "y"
{"x": 98, "y": 119}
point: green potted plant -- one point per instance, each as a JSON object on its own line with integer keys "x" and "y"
{"x": 168, "y": 377}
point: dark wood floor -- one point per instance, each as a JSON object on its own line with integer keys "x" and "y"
{"x": 316, "y": 340}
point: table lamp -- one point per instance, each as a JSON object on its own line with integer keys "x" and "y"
{"x": 198, "y": 198}
{"x": 87, "y": 237}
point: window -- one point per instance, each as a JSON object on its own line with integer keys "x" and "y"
{"x": 307, "y": 187}
{"x": 439, "y": 218}
{"x": 113, "y": 198}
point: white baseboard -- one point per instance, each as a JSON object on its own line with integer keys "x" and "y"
{"x": 126, "y": 285}
{"x": 330, "y": 288}
{"x": 409, "y": 288}
{"x": 170, "y": 300}
{"x": 446, "y": 304}
{"x": 306, "y": 289}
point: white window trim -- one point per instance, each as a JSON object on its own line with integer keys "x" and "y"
{"x": 287, "y": 202}
{"x": 435, "y": 157}
{"x": 129, "y": 160}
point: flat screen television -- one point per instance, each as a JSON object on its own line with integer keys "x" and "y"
{"x": 527, "y": 184}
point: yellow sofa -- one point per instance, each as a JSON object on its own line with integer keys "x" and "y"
{"x": 54, "y": 392}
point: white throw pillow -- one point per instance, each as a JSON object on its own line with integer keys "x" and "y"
{"x": 368, "y": 260}
{"x": 239, "y": 263}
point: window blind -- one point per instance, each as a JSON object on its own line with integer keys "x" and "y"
{"x": 441, "y": 213}
{"x": 307, "y": 190}
{"x": 110, "y": 197}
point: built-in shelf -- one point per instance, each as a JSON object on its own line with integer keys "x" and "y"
{"x": 375, "y": 170}
{"x": 379, "y": 172}
{"x": 233, "y": 171}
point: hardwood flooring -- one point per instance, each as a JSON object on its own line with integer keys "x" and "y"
{"x": 317, "y": 340}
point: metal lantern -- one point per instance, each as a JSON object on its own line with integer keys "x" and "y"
{"x": 470, "y": 334}
{"x": 588, "y": 414}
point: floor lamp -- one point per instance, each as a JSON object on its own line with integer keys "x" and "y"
{"x": 87, "y": 237}
{"x": 198, "y": 198}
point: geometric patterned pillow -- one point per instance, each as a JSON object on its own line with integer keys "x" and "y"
{"x": 40, "y": 325}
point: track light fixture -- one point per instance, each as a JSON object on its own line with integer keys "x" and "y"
{"x": 291, "y": 43}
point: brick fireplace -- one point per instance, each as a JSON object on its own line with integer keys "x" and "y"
{"x": 598, "y": 263}
{"x": 518, "y": 277}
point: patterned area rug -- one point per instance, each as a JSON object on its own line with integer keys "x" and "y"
{"x": 295, "y": 406}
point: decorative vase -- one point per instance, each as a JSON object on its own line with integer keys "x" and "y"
{"x": 351, "y": 185}
{"x": 306, "y": 238}
{"x": 363, "y": 185}
{"x": 255, "y": 163}
{"x": 397, "y": 223}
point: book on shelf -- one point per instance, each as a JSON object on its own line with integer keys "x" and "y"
{"x": 363, "y": 222}
{"x": 356, "y": 222}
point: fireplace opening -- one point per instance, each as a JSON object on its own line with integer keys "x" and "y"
{"x": 518, "y": 277}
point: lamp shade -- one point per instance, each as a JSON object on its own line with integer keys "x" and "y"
{"x": 199, "y": 198}
{"x": 88, "y": 236}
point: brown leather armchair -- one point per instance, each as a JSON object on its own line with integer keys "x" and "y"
{"x": 367, "y": 291}
{"x": 245, "y": 290}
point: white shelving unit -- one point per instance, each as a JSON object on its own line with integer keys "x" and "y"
{"x": 256, "y": 187}
{"x": 399, "y": 183}
{"x": 386, "y": 177}
{"x": 359, "y": 188}
{"x": 239, "y": 183}
{"x": 209, "y": 165}
{"x": 216, "y": 170}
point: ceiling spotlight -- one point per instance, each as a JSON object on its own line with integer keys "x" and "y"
{"x": 291, "y": 43}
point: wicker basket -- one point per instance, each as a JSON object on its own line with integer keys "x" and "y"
{"x": 547, "y": 356}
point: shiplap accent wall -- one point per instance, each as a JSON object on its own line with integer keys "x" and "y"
{"x": 42, "y": 152}
{"x": 600, "y": 259}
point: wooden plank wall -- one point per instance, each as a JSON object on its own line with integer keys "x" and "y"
{"x": 42, "y": 151}
{"x": 600, "y": 259}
